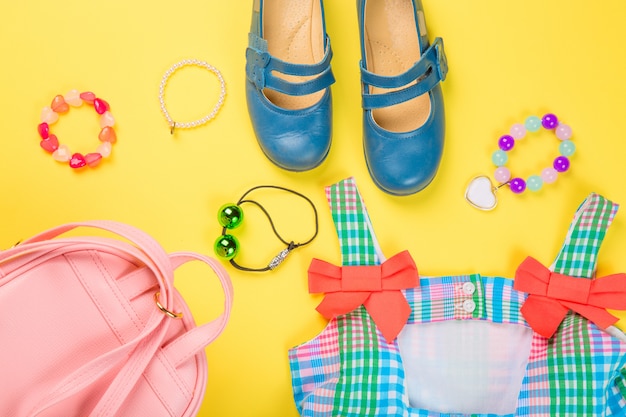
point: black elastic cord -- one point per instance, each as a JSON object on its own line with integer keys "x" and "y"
{"x": 290, "y": 245}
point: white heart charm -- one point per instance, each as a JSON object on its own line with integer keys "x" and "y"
{"x": 481, "y": 193}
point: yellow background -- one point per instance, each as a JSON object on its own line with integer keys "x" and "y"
{"x": 507, "y": 59}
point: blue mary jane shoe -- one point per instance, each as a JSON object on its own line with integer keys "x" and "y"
{"x": 403, "y": 111}
{"x": 288, "y": 76}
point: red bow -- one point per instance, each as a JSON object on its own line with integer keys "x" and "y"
{"x": 377, "y": 287}
{"x": 552, "y": 296}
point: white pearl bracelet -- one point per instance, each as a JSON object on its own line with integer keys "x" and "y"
{"x": 188, "y": 125}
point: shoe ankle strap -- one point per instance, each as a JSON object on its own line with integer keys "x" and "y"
{"x": 260, "y": 65}
{"x": 431, "y": 69}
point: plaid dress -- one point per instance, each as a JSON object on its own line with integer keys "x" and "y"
{"x": 350, "y": 370}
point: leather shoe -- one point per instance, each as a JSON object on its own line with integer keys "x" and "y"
{"x": 288, "y": 82}
{"x": 403, "y": 110}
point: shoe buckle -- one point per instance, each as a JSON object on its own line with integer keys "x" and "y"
{"x": 255, "y": 66}
{"x": 442, "y": 60}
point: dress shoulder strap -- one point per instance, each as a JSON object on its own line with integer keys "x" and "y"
{"x": 354, "y": 228}
{"x": 579, "y": 254}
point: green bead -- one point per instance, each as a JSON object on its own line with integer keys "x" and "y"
{"x": 534, "y": 183}
{"x": 226, "y": 246}
{"x": 499, "y": 158}
{"x": 230, "y": 216}
{"x": 567, "y": 148}
{"x": 532, "y": 123}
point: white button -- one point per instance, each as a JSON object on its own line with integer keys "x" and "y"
{"x": 469, "y": 288}
{"x": 469, "y": 306}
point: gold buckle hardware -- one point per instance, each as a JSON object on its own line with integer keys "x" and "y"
{"x": 165, "y": 310}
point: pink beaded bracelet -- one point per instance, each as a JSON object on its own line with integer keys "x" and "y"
{"x": 60, "y": 105}
{"x": 482, "y": 194}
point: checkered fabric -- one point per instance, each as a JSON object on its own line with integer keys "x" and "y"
{"x": 580, "y": 360}
{"x": 578, "y": 256}
{"x": 349, "y": 370}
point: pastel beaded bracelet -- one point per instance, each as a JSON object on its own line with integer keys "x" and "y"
{"x": 481, "y": 193}
{"x": 60, "y": 152}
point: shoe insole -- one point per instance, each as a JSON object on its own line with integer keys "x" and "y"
{"x": 392, "y": 47}
{"x": 294, "y": 33}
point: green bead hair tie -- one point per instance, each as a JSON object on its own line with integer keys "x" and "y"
{"x": 230, "y": 216}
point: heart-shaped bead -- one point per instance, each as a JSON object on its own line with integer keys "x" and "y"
{"x": 44, "y": 130}
{"x": 107, "y": 134}
{"x": 78, "y": 161}
{"x": 107, "y": 120}
{"x": 93, "y": 159}
{"x": 73, "y": 98}
{"x": 62, "y": 154}
{"x": 481, "y": 194}
{"x": 50, "y": 144}
{"x": 88, "y": 97}
{"x": 104, "y": 149}
{"x": 100, "y": 105}
{"x": 59, "y": 105}
{"x": 49, "y": 116}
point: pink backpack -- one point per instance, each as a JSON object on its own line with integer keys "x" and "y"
{"x": 92, "y": 326}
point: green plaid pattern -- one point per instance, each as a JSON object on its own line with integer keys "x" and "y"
{"x": 578, "y": 256}
{"x": 574, "y": 351}
{"x": 620, "y": 385}
{"x": 349, "y": 370}
{"x": 357, "y": 242}
{"x": 358, "y": 391}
